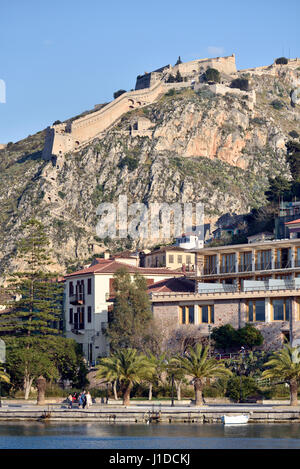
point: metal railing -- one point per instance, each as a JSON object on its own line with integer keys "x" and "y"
{"x": 286, "y": 286}
{"x": 263, "y": 266}
{"x": 227, "y": 269}
{"x": 245, "y": 267}
{"x": 209, "y": 270}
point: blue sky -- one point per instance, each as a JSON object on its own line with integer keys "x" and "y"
{"x": 59, "y": 58}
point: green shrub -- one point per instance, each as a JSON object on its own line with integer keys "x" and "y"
{"x": 224, "y": 337}
{"x": 118, "y": 93}
{"x": 130, "y": 161}
{"x": 258, "y": 121}
{"x": 249, "y": 336}
{"x": 171, "y": 79}
{"x": 240, "y": 83}
{"x": 213, "y": 75}
{"x": 277, "y": 104}
{"x": 240, "y": 388}
{"x": 171, "y": 92}
{"x": 61, "y": 194}
{"x": 294, "y": 134}
{"x": 281, "y": 61}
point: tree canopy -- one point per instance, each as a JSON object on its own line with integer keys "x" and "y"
{"x": 131, "y": 318}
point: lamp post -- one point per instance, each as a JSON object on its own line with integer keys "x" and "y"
{"x": 172, "y": 403}
{"x": 106, "y": 393}
{"x": 209, "y": 331}
{"x": 2, "y": 360}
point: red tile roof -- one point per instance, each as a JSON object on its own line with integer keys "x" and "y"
{"x": 293, "y": 222}
{"x": 179, "y": 284}
{"x": 110, "y": 266}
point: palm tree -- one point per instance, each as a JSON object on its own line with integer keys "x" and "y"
{"x": 197, "y": 365}
{"x": 284, "y": 366}
{"x": 176, "y": 373}
{"x": 4, "y": 377}
{"x": 128, "y": 367}
{"x": 155, "y": 371}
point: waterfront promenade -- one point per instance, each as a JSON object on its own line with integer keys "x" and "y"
{"x": 144, "y": 412}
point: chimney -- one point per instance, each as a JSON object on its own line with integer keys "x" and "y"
{"x": 106, "y": 255}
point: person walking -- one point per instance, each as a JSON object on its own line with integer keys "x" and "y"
{"x": 80, "y": 400}
{"x": 70, "y": 401}
{"x": 84, "y": 400}
{"x": 89, "y": 401}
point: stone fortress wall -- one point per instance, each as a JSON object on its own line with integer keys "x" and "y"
{"x": 71, "y": 136}
{"x": 74, "y": 135}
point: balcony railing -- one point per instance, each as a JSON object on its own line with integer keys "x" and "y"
{"x": 78, "y": 326}
{"x": 209, "y": 270}
{"x": 263, "y": 266}
{"x": 77, "y": 299}
{"x": 283, "y": 265}
{"x": 245, "y": 267}
{"x": 227, "y": 269}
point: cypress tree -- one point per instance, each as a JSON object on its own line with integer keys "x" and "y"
{"x": 131, "y": 317}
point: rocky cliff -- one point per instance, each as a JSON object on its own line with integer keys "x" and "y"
{"x": 200, "y": 146}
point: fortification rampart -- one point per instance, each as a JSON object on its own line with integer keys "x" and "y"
{"x": 193, "y": 69}
{"x": 63, "y": 138}
{"x": 274, "y": 68}
{"x": 75, "y": 134}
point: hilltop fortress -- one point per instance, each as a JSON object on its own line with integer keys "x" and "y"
{"x": 74, "y": 134}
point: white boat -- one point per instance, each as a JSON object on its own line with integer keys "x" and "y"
{"x": 236, "y": 419}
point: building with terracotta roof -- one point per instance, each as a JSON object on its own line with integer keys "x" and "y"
{"x": 87, "y": 295}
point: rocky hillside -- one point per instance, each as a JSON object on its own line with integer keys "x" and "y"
{"x": 204, "y": 147}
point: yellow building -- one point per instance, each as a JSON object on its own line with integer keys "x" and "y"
{"x": 171, "y": 257}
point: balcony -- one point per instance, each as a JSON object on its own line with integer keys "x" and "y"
{"x": 227, "y": 269}
{"x": 283, "y": 265}
{"x": 209, "y": 270}
{"x": 78, "y": 328}
{"x": 263, "y": 266}
{"x": 245, "y": 268}
{"x": 76, "y": 299}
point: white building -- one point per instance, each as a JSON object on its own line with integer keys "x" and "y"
{"x": 190, "y": 241}
{"x": 86, "y": 301}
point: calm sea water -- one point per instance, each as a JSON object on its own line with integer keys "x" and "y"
{"x": 41, "y": 435}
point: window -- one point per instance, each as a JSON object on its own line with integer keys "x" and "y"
{"x": 281, "y": 309}
{"x": 207, "y": 314}
{"x": 188, "y": 259}
{"x": 171, "y": 259}
{"x": 71, "y": 316}
{"x": 179, "y": 259}
{"x": 89, "y": 286}
{"x": 89, "y": 318}
{"x": 71, "y": 289}
{"x": 256, "y": 311}
{"x": 81, "y": 319}
{"x": 187, "y": 314}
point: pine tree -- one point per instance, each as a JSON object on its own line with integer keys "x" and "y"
{"x": 33, "y": 314}
{"x": 37, "y": 306}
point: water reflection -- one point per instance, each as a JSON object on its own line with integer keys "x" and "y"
{"x": 98, "y": 435}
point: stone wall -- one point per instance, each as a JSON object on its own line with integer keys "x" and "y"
{"x": 192, "y": 69}
{"x": 166, "y": 315}
{"x": 62, "y": 138}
